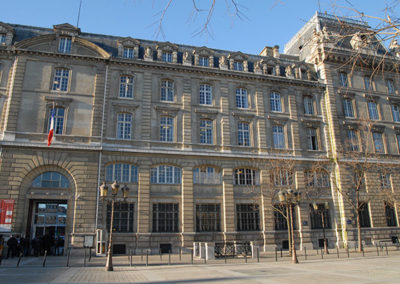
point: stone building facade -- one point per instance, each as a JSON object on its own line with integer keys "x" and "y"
{"x": 203, "y": 138}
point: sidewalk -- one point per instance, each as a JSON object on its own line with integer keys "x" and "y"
{"x": 367, "y": 269}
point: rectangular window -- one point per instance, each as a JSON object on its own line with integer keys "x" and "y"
{"x": 61, "y": 77}
{"x": 367, "y": 83}
{"x": 385, "y": 180}
{"x": 167, "y": 90}
{"x": 352, "y": 140}
{"x": 124, "y": 126}
{"x": 165, "y": 217}
{"x": 275, "y": 102}
{"x": 317, "y": 222}
{"x": 280, "y": 213}
{"x": 208, "y": 218}
{"x": 166, "y": 129}
{"x": 243, "y": 134}
{"x": 373, "y": 111}
{"x": 128, "y": 52}
{"x": 206, "y": 131}
{"x": 343, "y": 79}
{"x": 378, "y": 142}
{"x": 390, "y": 86}
{"x": 390, "y": 213}
{"x": 364, "y": 216}
{"x": 167, "y": 56}
{"x": 308, "y": 105}
{"x": 246, "y": 177}
{"x": 398, "y": 142}
{"x": 247, "y": 217}
{"x": 348, "y": 108}
{"x": 241, "y": 98}
{"x": 58, "y": 120}
{"x": 204, "y": 61}
{"x": 205, "y": 94}
{"x": 65, "y": 45}
{"x": 312, "y": 139}
{"x": 2, "y": 38}
{"x": 123, "y": 217}
{"x": 281, "y": 177}
{"x": 126, "y": 87}
{"x": 238, "y": 66}
{"x": 166, "y": 175}
{"x": 278, "y": 137}
{"x": 396, "y": 113}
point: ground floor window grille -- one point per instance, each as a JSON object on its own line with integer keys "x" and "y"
{"x": 280, "y": 213}
{"x": 123, "y": 217}
{"x": 208, "y": 218}
{"x": 165, "y": 217}
{"x": 248, "y": 218}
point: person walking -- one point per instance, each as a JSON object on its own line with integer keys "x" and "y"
{"x": 12, "y": 244}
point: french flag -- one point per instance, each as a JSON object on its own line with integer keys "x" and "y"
{"x": 51, "y": 130}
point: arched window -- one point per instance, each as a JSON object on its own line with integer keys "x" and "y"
{"x": 121, "y": 173}
{"x": 51, "y": 180}
{"x": 206, "y": 175}
{"x": 166, "y": 175}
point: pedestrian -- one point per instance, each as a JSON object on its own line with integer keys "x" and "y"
{"x": 1, "y": 246}
{"x": 35, "y": 246}
{"x": 12, "y": 244}
{"x": 24, "y": 246}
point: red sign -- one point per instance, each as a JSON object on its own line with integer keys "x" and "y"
{"x": 6, "y": 214}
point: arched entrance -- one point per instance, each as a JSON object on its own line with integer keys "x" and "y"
{"x": 48, "y": 214}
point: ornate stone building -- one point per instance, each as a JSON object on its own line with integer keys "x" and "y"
{"x": 203, "y": 138}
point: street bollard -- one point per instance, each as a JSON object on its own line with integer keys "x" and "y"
{"x": 362, "y": 249}
{"x": 387, "y": 252}
{"x": 130, "y": 260}
{"x": 180, "y": 254}
{"x": 245, "y": 257}
{"x": 305, "y": 253}
{"x": 377, "y": 250}
{"x": 44, "y": 258}
{"x": 281, "y": 252}
{"x": 141, "y": 256}
{"x": 225, "y": 257}
{"x": 160, "y": 255}
{"x": 147, "y": 257}
{"x": 191, "y": 257}
{"x": 258, "y": 254}
{"x": 276, "y": 255}
{"x": 19, "y": 259}
{"x": 84, "y": 258}
{"x": 322, "y": 254}
{"x": 348, "y": 253}
{"x": 337, "y": 251}
{"x": 68, "y": 254}
{"x": 169, "y": 257}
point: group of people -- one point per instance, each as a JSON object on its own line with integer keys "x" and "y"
{"x": 20, "y": 246}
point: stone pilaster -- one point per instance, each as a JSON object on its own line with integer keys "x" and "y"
{"x": 187, "y": 215}
{"x": 144, "y": 210}
{"x": 228, "y": 204}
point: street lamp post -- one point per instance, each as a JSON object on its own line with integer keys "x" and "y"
{"x": 103, "y": 194}
{"x": 290, "y": 198}
{"x": 321, "y": 212}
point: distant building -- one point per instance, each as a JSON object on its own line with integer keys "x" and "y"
{"x": 202, "y": 137}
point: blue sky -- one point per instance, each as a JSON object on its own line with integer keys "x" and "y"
{"x": 265, "y": 22}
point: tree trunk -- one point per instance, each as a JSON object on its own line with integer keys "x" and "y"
{"x": 289, "y": 230}
{"x": 359, "y": 239}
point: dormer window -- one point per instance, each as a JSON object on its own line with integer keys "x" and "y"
{"x": 2, "y": 38}
{"x": 167, "y": 56}
{"x": 204, "y": 61}
{"x": 128, "y": 52}
{"x": 65, "y": 45}
{"x": 238, "y": 66}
